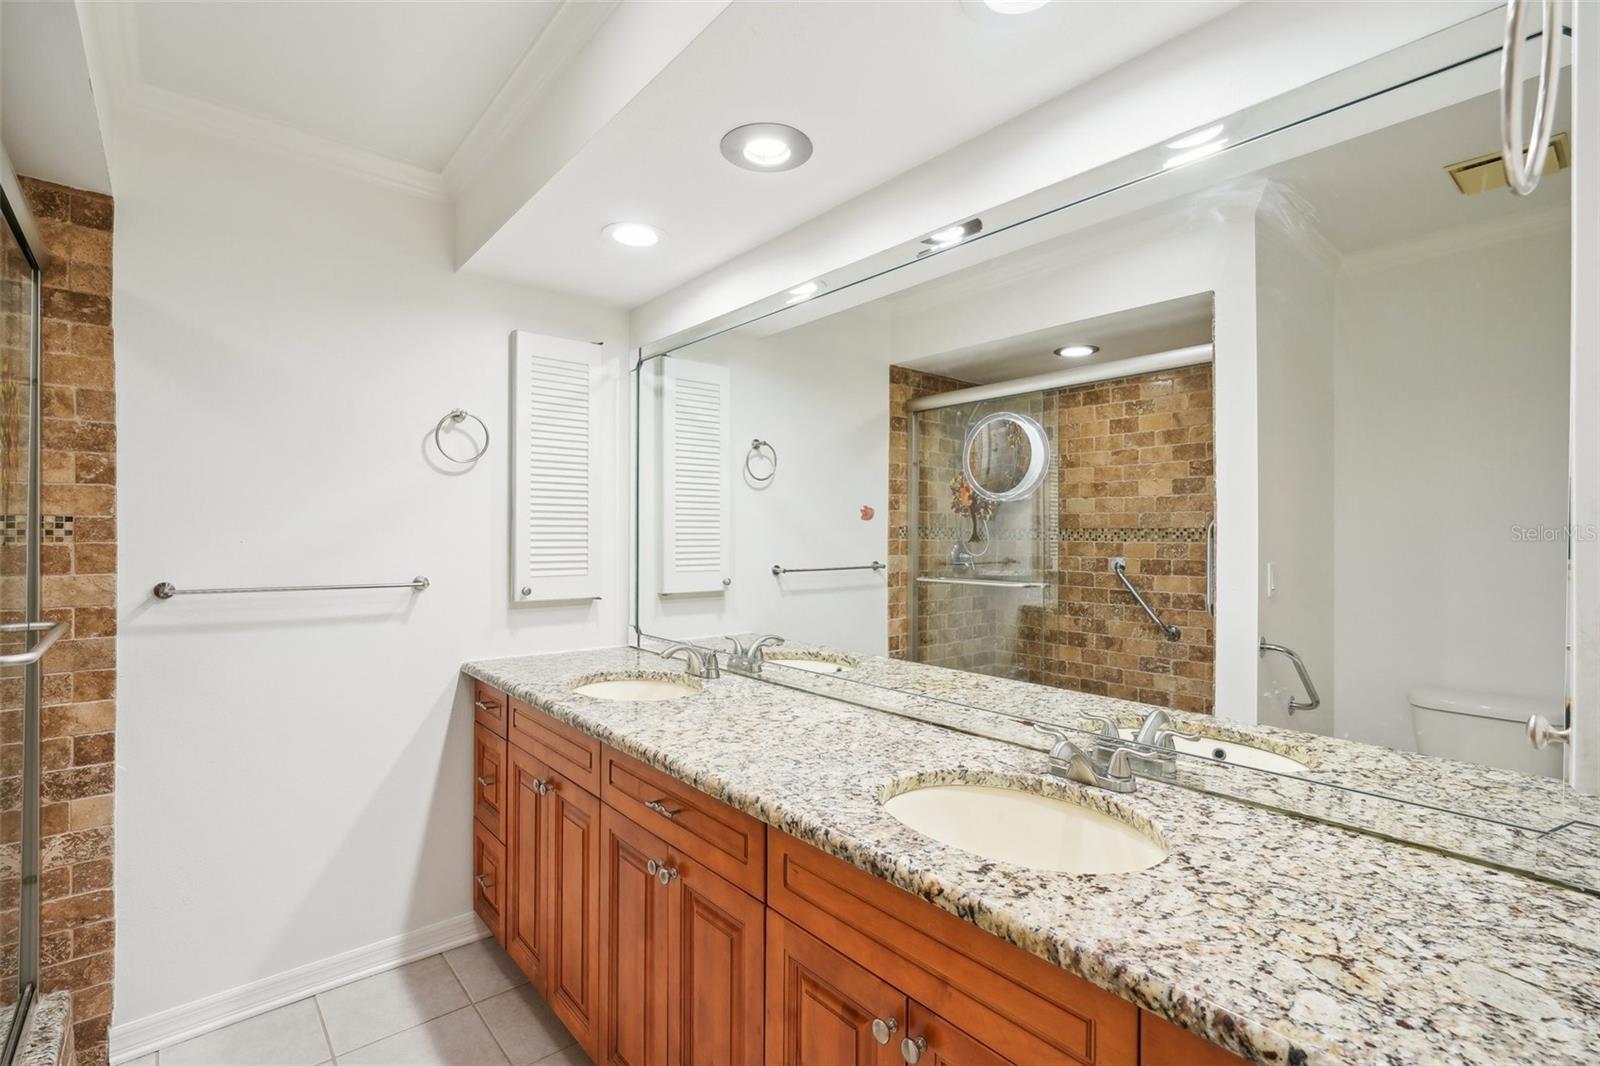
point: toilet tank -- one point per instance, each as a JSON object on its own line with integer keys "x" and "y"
{"x": 1487, "y": 728}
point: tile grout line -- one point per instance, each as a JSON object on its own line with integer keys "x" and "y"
{"x": 490, "y": 1030}
{"x": 450, "y": 969}
{"x": 327, "y": 1037}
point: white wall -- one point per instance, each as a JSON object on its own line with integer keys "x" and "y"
{"x": 1451, "y": 382}
{"x": 293, "y": 771}
{"x": 1294, "y": 343}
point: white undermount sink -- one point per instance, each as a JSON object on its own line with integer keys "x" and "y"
{"x": 640, "y": 688}
{"x": 1228, "y": 751}
{"x": 1025, "y": 828}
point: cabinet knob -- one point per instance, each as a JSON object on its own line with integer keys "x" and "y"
{"x": 1542, "y": 734}
{"x": 911, "y": 1050}
{"x": 651, "y": 866}
{"x": 666, "y": 873}
{"x": 883, "y": 1029}
{"x": 541, "y": 786}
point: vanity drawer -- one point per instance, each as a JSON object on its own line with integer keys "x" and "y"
{"x": 489, "y": 781}
{"x": 574, "y": 755}
{"x": 726, "y": 841}
{"x": 489, "y": 881}
{"x": 1022, "y": 1008}
{"x": 489, "y": 708}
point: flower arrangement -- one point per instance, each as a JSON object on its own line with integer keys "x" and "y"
{"x": 965, "y": 501}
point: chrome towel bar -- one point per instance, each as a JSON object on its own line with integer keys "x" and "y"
{"x": 1300, "y": 668}
{"x": 1119, "y": 566}
{"x": 166, "y": 590}
{"x": 999, "y": 583}
{"x": 779, "y": 571}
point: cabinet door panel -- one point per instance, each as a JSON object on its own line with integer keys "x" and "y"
{"x": 717, "y": 937}
{"x": 821, "y": 1006}
{"x": 489, "y": 880}
{"x": 489, "y": 785}
{"x": 572, "y": 971}
{"x": 633, "y": 946}
{"x": 945, "y": 1045}
{"x": 527, "y": 915}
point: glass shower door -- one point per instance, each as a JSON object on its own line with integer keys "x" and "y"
{"x": 23, "y": 639}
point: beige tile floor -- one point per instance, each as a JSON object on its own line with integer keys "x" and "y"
{"x": 467, "y": 1007}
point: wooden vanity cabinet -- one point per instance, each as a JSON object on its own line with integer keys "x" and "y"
{"x": 682, "y": 956}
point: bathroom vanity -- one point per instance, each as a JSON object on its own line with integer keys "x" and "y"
{"x": 714, "y": 876}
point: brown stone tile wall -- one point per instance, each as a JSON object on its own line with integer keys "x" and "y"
{"x": 1137, "y": 480}
{"x": 78, "y": 565}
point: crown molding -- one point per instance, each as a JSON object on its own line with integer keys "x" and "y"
{"x": 1459, "y": 239}
{"x": 125, "y": 90}
{"x": 566, "y": 36}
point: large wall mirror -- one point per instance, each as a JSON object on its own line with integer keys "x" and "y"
{"x": 1269, "y": 431}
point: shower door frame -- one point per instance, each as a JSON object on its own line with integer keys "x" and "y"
{"x": 24, "y": 230}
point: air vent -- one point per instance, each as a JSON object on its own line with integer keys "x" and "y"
{"x": 1484, "y": 173}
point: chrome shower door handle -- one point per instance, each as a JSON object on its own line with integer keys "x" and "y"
{"x": 52, "y": 632}
{"x": 1211, "y": 568}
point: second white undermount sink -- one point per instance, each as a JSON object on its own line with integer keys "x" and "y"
{"x": 1228, "y": 751}
{"x": 1026, "y": 828}
{"x": 636, "y": 688}
{"x": 810, "y": 664}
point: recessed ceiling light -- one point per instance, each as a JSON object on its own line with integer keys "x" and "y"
{"x": 1194, "y": 153}
{"x": 1197, "y": 138}
{"x": 944, "y": 238}
{"x": 1077, "y": 351}
{"x": 633, "y": 234}
{"x": 805, "y": 291}
{"x": 1014, "y": 7}
{"x": 766, "y": 146}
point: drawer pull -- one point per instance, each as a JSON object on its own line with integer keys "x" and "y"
{"x": 911, "y": 1050}
{"x": 665, "y": 873}
{"x": 883, "y": 1029}
{"x": 484, "y": 883}
{"x": 485, "y": 782}
{"x": 483, "y": 706}
{"x": 661, "y": 808}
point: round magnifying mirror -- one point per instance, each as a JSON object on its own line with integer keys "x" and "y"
{"x": 1007, "y": 456}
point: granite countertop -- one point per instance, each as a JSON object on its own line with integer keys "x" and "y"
{"x": 1282, "y": 940}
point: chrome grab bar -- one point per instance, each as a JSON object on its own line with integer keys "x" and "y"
{"x": 1524, "y": 164}
{"x": 166, "y": 590}
{"x": 1211, "y": 568}
{"x": 1299, "y": 668}
{"x": 52, "y": 632}
{"x": 779, "y": 571}
{"x": 1119, "y": 566}
{"x": 997, "y": 583}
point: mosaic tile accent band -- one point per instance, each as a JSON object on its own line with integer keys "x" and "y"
{"x": 1148, "y": 534}
{"x": 53, "y": 529}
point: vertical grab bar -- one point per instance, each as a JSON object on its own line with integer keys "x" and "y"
{"x": 1211, "y": 568}
{"x": 1300, "y": 668}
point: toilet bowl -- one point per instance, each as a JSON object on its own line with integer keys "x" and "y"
{"x": 1483, "y": 727}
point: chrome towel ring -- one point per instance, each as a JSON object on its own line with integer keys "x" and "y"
{"x": 456, "y": 417}
{"x": 756, "y": 448}
{"x": 1524, "y": 164}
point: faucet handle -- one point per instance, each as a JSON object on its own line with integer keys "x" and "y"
{"x": 1106, "y": 723}
{"x": 1164, "y": 738}
{"x": 1120, "y": 768}
{"x": 739, "y": 650}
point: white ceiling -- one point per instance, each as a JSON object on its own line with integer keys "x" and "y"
{"x": 1158, "y": 327}
{"x": 1389, "y": 187}
{"x": 879, "y": 87}
{"x": 406, "y": 81}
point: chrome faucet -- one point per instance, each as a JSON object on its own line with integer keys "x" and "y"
{"x": 1156, "y": 735}
{"x": 747, "y": 659}
{"x": 698, "y": 662}
{"x": 1069, "y": 761}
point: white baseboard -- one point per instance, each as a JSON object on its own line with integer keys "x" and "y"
{"x": 132, "y": 1039}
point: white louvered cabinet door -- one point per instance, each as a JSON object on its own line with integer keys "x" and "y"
{"x": 555, "y": 438}
{"x": 694, "y": 457}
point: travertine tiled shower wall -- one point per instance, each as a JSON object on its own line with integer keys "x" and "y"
{"x": 1135, "y": 479}
{"x": 79, "y": 563}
